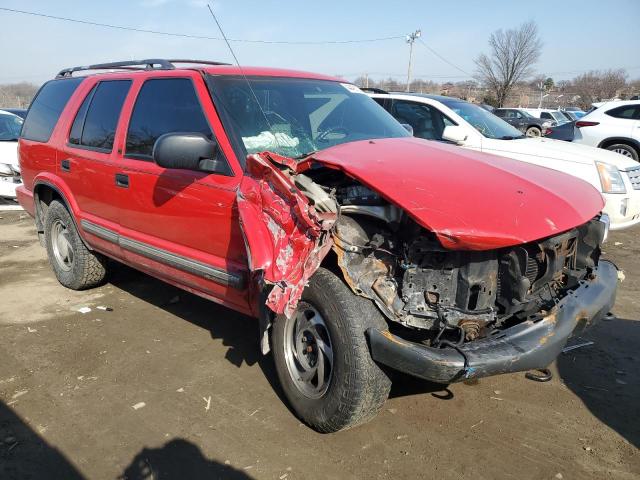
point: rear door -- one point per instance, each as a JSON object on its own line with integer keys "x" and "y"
{"x": 87, "y": 161}
{"x": 180, "y": 225}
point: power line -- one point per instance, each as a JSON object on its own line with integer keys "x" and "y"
{"x": 199, "y": 37}
{"x": 443, "y": 59}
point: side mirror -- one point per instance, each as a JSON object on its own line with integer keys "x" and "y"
{"x": 407, "y": 127}
{"x": 454, "y": 134}
{"x": 189, "y": 151}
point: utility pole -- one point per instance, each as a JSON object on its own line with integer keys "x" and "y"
{"x": 410, "y": 39}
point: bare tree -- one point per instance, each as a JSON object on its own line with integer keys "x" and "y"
{"x": 595, "y": 86}
{"x": 513, "y": 53}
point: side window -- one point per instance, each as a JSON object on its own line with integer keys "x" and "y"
{"x": 98, "y": 128}
{"x": 164, "y": 105}
{"x": 381, "y": 101}
{"x": 47, "y": 107}
{"x": 78, "y": 123}
{"x": 427, "y": 121}
{"x": 546, "y": 115}
{"x": 628, "y": 112}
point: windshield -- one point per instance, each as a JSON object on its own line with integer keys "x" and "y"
{"x": 10, "y": 126}
{"x": 297, "y": 116}
{"x": 485, "y": 122}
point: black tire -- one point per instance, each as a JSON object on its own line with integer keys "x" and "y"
{"x": 358, "y": 387}
{"x": 83, "y": 268}
{"x": 624, "y": 149}
{"x": 533, "y": 132}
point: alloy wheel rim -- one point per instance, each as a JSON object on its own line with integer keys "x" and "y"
{"x": 308, "y": 351}
{"x": 532, "y": 132}
{"x": 623, "y": 151}
{"x": 62, "y": 246}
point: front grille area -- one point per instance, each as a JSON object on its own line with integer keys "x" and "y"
{"x": 634, "y": 177}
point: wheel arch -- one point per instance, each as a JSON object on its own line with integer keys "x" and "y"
{"x": 45, "y": 192}
{"x": 625, "y": 140}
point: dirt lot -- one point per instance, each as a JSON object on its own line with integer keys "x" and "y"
{"x": 168, "y": 385}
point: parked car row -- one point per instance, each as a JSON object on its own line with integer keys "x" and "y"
{"x": 293, "y": 197}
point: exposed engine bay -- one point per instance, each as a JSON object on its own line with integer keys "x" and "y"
{"x": 461, "y": 295}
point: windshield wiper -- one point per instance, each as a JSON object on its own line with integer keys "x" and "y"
{"x": 511, "y": 137}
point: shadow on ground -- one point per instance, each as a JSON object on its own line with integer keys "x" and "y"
{"x": 25, "y": 455}
{"x": 606, "y": 375}
{"x": 180, "y": 460}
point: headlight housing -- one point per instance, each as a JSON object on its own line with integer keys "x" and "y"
{"x": 610, "y": 178}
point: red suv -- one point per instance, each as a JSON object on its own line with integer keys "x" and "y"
{"x": 295, "y": 198}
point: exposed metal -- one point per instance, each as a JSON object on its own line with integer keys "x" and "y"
{"x": 528, "y": 345}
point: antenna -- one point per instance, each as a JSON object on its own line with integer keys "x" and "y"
{"x": 253, "y": 93}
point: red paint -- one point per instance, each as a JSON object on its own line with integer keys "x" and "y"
{"x": 286, "y": 237}
{"x": 471, "y": 201}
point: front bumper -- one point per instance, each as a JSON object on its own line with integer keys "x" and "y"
{"x": 623, "y": 210}
{"x": 526, "y": 346}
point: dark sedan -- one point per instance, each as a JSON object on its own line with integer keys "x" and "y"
{"x": 523, "y": 121}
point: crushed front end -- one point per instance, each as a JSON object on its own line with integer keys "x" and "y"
{"x": 452, "y": 313}
{"x": 462, "y": 314}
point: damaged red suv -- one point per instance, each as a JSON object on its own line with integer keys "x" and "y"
{"x": 294, "y": 198}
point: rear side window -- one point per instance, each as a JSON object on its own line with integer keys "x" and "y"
{"x": 164, "y": 105}
{"x": 47, "y": 107}
{"x": 97, "y": 118}
{"x": 628, "y": 112}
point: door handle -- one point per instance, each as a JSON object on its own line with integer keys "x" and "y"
{"x": 122, "y": 180}
{"x": 65, "y": 165}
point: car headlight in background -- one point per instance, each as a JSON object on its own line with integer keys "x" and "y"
{"x": 610, "y": 178}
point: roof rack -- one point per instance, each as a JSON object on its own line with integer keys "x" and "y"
{"x": 147, "y": 64}
{"x": 373, "y": 90}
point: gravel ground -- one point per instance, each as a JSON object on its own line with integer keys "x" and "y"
{"x": 168, "y": 385}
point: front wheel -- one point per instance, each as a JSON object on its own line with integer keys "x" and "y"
{"x": 322, "y": 357}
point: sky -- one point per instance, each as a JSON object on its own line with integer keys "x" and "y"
{"x": 578, "y": 35}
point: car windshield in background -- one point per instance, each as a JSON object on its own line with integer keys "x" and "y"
{"x": 526, "y": 114}
{"x": 10, "y": 126}
{"x": 485, "y": 122}
{"x": 297, "y": 116}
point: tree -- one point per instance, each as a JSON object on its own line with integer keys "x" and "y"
{"x": 17, "y": 95}
{"x": 513, "y": 53}
{"x": 595, "y": 86}
{"x": 548, "y": 84}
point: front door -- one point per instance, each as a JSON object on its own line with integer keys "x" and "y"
{"x": 180, "y": 225}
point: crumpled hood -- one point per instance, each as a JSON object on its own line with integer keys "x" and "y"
{"x": 470, "y": 200}
{"x": 561, "y": 151}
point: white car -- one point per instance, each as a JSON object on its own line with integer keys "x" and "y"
{"x": 448, "y": 119}
{"x": 548, "y": 114}
{"x": 614, "y": 126}
{"x": 10, "y": 126}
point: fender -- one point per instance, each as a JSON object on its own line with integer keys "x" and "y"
{"x": 286, "y": 238}
{"x": 629, "y": 141}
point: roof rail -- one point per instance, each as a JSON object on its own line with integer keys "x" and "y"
{"x": 147, "y": 64}
{"x": 373, "y": 90}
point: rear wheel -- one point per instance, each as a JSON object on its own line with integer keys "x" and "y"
{"x": 624, "y": 149}
{"x": 323, "y": 360}
{"x": 75, "y": 266}
{"x": 533, "y": 132}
